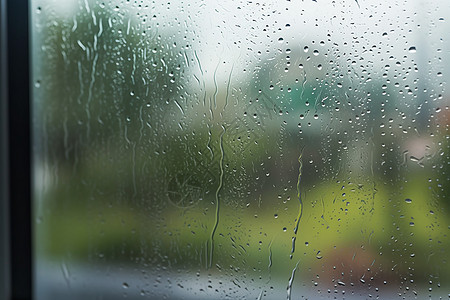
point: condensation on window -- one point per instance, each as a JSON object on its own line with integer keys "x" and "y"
{"x": 241, "y": 149}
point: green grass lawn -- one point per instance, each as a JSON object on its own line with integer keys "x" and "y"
{"x": 368, "y": 220}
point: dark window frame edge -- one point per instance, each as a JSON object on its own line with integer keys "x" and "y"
{"x": 18, "y": 148}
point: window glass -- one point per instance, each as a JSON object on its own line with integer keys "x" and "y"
{"x": 241, "y": 149}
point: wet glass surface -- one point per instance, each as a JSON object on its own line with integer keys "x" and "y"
{"x": 241, "y": 150}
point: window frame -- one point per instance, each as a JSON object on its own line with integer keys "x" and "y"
{"x": 16, "y": 253}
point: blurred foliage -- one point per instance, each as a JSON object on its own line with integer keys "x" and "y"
{"x": 135, "y": 162}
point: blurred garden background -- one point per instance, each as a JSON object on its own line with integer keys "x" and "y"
{"x": 254, "y": 148}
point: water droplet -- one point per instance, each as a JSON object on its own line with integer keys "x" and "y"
{"x": 125, "y": 285}
{"x": 408, "y": 200}
{"x": 412, "y": 49}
